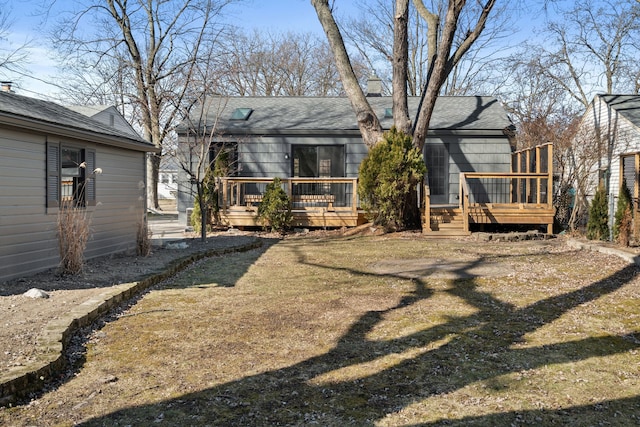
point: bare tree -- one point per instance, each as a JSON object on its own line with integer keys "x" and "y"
{"x": 13, "y": 58}
{"x": 147, "y": 51}
{"x": 592, "y": 48}
{"x": 444, "y": 54}
{"x": 279, "y": 64}
{"x": 372, "y": 34}
{"x": 194, "y": 154}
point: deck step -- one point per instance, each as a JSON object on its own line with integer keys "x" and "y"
{"x": 446, "y": 223}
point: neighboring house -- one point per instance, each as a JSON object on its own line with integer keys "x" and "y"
{"x": 42, "y": 145}
{"x": 608, "y": 140}
{"x": 168, "y": 178}
{"x": 319, "y": 137}
{"x": 108, "y": 115}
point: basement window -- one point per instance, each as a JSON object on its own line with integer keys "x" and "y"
{"x": 241, "y": 113}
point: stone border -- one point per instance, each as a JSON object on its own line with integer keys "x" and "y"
{"x": 53, "y": 342}
{"x": 627, "y": 256}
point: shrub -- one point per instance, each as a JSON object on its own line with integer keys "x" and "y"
{"x": 387, "y": 176}
{"x": 274, "y": 211}
{"x": 73, "y": 233}
{"x": 143, "y": 238}
{"x": 598, "y": 223}
{"x": 623, "y": 217}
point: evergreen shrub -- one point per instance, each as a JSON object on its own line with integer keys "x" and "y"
{"x": 598, "y": 223}
{"x": 387, "y": 176}
{"x": 274, "y": 211}
{"x": 622, "y": 226}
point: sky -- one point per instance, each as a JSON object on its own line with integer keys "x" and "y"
{"x": 279, "y": 15}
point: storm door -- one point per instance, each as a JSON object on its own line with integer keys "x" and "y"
{"x": 437, "y": 160}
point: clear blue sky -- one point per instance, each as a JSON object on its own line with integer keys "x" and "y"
{"x": 278, "y": 15}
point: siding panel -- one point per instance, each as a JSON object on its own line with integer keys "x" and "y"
{"x": 28, "y": 241}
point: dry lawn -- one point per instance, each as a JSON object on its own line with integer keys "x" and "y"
{"x": 386, "y": 331}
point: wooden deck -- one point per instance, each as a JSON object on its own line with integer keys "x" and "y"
{"x": 313, "y": 202}
{"x": 521, "y": 197}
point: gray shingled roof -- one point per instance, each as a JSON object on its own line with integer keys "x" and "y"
{"x": 627, "y": 105}
{"x": 334, "y": 113}
{"x": 51, "y": 113}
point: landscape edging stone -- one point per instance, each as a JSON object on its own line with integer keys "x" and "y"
{"x": 53, "y": 342}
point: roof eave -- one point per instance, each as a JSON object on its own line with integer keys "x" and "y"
{"x": 349, "y": 132}
{"x": 69, "y": 132}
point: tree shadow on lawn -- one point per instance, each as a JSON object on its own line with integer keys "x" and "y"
{"x": 475, "y": 348}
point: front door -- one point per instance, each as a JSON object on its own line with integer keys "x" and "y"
{"x": 437, "y": 160}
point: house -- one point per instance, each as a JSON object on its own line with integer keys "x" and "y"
{"x": 168, "y": 179}
{"x": 315, "y": 142}
{"x": 107, "y": 115}
{"x": 42, "y": 146}
{"x": 608, "y": 137}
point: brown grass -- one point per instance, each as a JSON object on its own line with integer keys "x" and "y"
{"x": 73, "y": 230}
{"x": 143, "y": 237}
{"x": 328, "y": 332}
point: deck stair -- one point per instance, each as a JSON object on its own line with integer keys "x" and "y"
{"x": 446, "y": 222}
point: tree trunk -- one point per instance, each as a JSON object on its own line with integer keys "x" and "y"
{"x": 438, "y": 74}
{"x": 153, "y": 169}
{"x": 368, "y": 122}
{"x": 400, "y": 62}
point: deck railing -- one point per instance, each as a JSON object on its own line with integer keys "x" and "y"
{"x": 305, "y": 193}
{"x": 506, "y": 188}
{"x": 529, "y": 185}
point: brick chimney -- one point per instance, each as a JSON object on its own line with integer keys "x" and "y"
{"x": 374, "y": 85}
{"x": 5, "y": 86}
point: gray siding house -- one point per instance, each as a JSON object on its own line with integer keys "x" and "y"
{"x": 108, "y": 115}
{"x": 41, "y": 146}
{"x": 319, "y": 137}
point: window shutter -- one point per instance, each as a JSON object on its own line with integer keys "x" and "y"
{"x": 90, "y": 177}
{"x": 629, "y": 174}
{"x": 53, "y": 175}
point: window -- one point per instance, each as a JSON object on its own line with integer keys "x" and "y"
{"x": 241, "y": 113}
{"x": 388, "y": 113}
{"x": 223, "y": 158}
{"x": 318, "y": 160}
{"x": 69, "y": 177}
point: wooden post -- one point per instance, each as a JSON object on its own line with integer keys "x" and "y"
{"x": 225, "y": 194}
{"x": 550, "y": 175}
{"x": 427, "y": 207}
{"x": 538, "y": 181}
{"x": 519, "y": 180}
{"x": 354, "y": 197}
{"x": 464, "y": 200}
{"x": 527, "y": 190}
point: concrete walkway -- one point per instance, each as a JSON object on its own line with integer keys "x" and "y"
{"x": 166, "y": 228}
